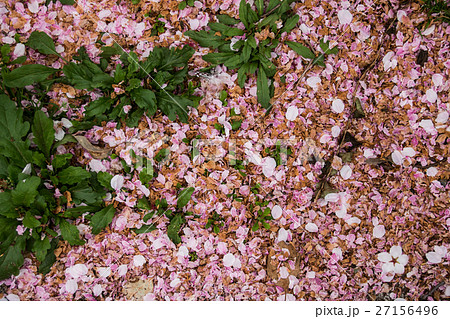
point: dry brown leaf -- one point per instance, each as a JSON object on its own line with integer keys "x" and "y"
{"x": 96, "y": 151}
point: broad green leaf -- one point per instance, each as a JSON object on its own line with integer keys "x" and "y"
{"x": 102, "y": 218}
{"x": 184, "y": 197}
{"x": 40, "y": 248}
{"x": 145, "y": 99}
{"x": 43, "y": 132}
{"x": 252, "y": 16}
{"x": 225, "y": 19}
{"x": 83, "y": 193}
{"x": 61, "y": 160}
{"x": 301, "y": 50}
{"x": 242, "y": 74}
{"x": 233, "y": 62}
{"x": 206, "y": 38}
{"x": 174, "y": 228}
{"x": 50, "y": 258}
{"x": 246, "y": 53}
{"x": 220, "y": 27}
{"x": 262, "y": 89}
{"x": 232, "y": 32}
{"x": 104, "y": 178}
{"x": 6, "y": 205}
{"x": 25, "y": 192}
{"x": 75, "y": 212}
{"x": 273, "y": 4}
{"x": 173, "y": 105}
{"x": 99, "y": 106}
{"x": 30, "y": 221}
{"x": 290, "y": 23}
{"x": 27, "y": 75}
{"x": 269, "y": 20}
{"x": 7, "y": 232}
{"x": 259, "y": 6}
{"x": 12, "y": 126}
{"x": 73, "y": 175}
{"x": 42, "y": 42}
{"x": 10, "y": 262}
{"x": 217, "y": 58}
{"x": 173, "y": 58}
{"x": 145, "y": 177}
{"x": 70, "y": 233}
{"x": 324, "y": 45}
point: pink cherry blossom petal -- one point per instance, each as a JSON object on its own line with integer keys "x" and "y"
{"x": 311, "y": 227}
{"x": 379, "y": 231}
{"x": 277, "y": 212}
{"x": 395, "y": 251}
{"x": 433, "y": 257}
{"x": 337, "y": 106}
{"x": 384, "y": 257}
{"x": 345, "y": 17}
{"x": 291, "y": 113}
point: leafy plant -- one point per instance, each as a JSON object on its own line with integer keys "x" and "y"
{"x": 249, "y": 50}
{"x": 159, "y": 82}
{"x": 176, "y": 215}
{"x": 215, "y": 222}
{"x": 184, "y": 4}
{"x": 41, "y": 191}
{"x": 278, "y": 152}
{"x": 261, "y": 219}
{"x": 158, "y": 27}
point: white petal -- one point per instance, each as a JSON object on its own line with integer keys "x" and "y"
{"x": 447, "y": 291}
{"x": 104, "y": 271}
{"x": 33, "y": 6}
{"x": 332, "y": 197}
{"x": 427, "y": 125}
{"x": 408, "y": 151}
{"x": 19, "y": 50}
{"x": 97, "y": 290}
{"x": 388, "y": 267}
{"x": 78, "y": 270}
{"x": 384, "y": 257}
{"x": 284, "y": 273}
{"x": 335, "y": 131}
{"x": 379, "y": 231}
{"x": 66, "y": 123}
{"x": 183, "y": 251}
{"x": 395, "y": 251}
{"x": 194, "y": 24}
{"x": 432, "y": 171}
{"x": 345, "y": 17}
{"x": 387, "y": 60}
{"x": 311, "y": 227}
{"x": 117, "y": 182}
{"x": 59, "y": 134}
{"x": 71, "y": 286}
{"x": 282, "y": 235}
{"x": 337, "y": 106}
{"x": 313, "y": 81}
{"x": 433, "y": 257}
{"x": 269, "y": 165}
{"x": 97, "y": 166}
{"x": 291, "y": 113}
{"x": 441, "y": 250}
{"x": 122, "y": 270}
{"x": 353, "y": 220}
{"x": 429, "y": 30}
{"x": 442, "y": 117}
{"x": 431, "y": 95}
{"x": 228, "y": 260}
{"x": 138, "y": 260}
{"x": 27, "y": 169}
{"x": 437, "y": 79}
{"x": 397, "y": 157}
{"x": 403, "y": 259}
{"x": 399, "y": 269}
{"x": 346, "y": 172}
{"x": 277, "y": 212}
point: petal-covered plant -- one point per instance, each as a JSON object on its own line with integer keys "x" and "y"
{"x": 40, "y": 192}
{"x": 247, "y": 44}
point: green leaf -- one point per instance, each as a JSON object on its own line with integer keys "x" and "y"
{"x": 104, "y": 179}
{"x": 243, "y": 13}
{"x": 61, "y": 160}
{"x": 206, "y": 38}
{"x": 40, "y": 248}
{"x": 6, "y": 206}
{"x": 182, "y": 5}
{"x": 290, "y": 23}
{"x": 10, "y": 262}
{"x": 145, "y": 99}
{"x": 324, "y": 45}
{"x": 270, "y": 20}
{"x": 236, "y": 124}
{"x": 259, "y": 6}
{"x": 173, "y": 58}
{"x": 43, "y": 131}
{"x": 246, "y": 53}
{"x": 102, "y": 218}
{"x": 218, "y": 57}
{"x": 26, "y": 191}
{"x": 220, "y": 27}
{"x": 174, "y": 228}
{"x": 73, "y": 175}
{"x": 75, "y": 212}
{"x": 173, "y": 105}
{"x": 145, "y": 177}
{"x": 184, "y": 197}
{"x": 301, "y": 50}
{"x": 98, "y": 107}
{"x": 144, "y": 229}
{"x": 232, "y": 32}
{"x": 255, "y": 226}
{"x": 50, "y": 258}
{"x": 262, "y": 89}
{"x": 273, "y": 4}
{"x": 70, "y": 233}
{"x": 225, "y": 19}
{"x": 30, "y": 221}
{"x": 27, "y": 75}
{"x": 42, "y": 42}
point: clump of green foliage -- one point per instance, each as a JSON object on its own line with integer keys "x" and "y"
{"x": 41, "y": 191}
{"x": 176, "y": 216}
{"x": 437, "y": 9}
{"x": 239, "y": 48}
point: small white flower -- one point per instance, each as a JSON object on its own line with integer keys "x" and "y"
{"x": 268, "y": 166}
{"x": 393, "y": 263}
{"x": 432, "y": 171}
{"x": 282, "y": 235}
{"x": 435, "y": 257}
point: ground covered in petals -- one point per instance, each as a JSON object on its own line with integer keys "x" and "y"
{"x": 359, "y": 198}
